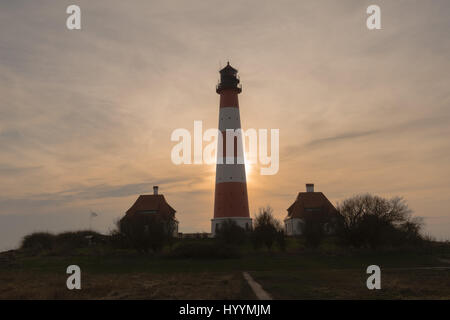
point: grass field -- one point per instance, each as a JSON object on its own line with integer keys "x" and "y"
{"x": 295, "y": 274}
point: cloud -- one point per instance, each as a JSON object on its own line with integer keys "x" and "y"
{"x": 342, "y": 137}
{"x": 8, "y": 170}
{"x": 47, "y": 200}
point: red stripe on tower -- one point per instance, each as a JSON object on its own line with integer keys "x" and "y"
{"x": 231, "y": 199}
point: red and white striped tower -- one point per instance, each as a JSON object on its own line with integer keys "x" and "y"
{"x": 231, "y": 200}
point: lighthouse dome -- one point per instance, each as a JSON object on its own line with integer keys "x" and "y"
{"x": 228, "y": 79}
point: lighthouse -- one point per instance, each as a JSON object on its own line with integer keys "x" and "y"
{"x": 230, "y": 198}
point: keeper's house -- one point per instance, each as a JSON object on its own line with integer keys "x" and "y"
{"x": 309, "y": 202}
{"x": 153, "y": 205}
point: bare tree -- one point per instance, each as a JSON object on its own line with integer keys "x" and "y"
{"x": 266, "y": 229}
{"x": 373, "y": 221}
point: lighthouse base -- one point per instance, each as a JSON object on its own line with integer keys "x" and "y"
{"x": 244, "y": 223}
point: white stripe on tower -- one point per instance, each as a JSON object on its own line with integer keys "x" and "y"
{"x": 229, "y": 118}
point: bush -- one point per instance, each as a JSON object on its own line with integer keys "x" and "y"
{"x": 266, "y": 229}
{"x": 230, "y": 233}
{"x": 281, "y": 240}
{"x": 118, "y": 240}
{"x": 63, "y": 242}
{"x": 39, "y": 241}
{"x": 146, "y": 232}
{"x": 78, "y": 239}
{"x": 203, "y": 249}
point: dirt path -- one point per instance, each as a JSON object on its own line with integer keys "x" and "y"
{"x": 258, "y": 290}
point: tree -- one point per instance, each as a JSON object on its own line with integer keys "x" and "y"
{"x": 265, "y": 228}
{"x": 369, "y": 220}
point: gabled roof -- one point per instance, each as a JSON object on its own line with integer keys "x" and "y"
{"x": 151, "y": 203}
{"x": 310, "y": 200}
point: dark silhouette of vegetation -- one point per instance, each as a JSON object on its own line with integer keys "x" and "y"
{"x": 145, "y": 232}
{"x": 313, "y": 229}
{"x": 39, "y": 241}
{"x": 230, "y": 233}
{"x": 79, "y": 239}
{"x": 372, "y": 221}
{"x": 61, "y": 243}
{"x": 281, "y": 240}
{"x": 364, "y": 221}
{"x": 266, "y": 229}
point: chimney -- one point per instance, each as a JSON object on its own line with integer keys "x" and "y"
{"x": 310, "y": 187}
{"x": 155, "y": 190}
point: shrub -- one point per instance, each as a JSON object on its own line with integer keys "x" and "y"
{"x": 266, "y": 228}
{"x": 39, "y": 241}
{"x": 78, "y": 239}
{"x": 146, "y": 232}
{"x": 230, "y": 233}
{"x": 281, "y": 240}
{"x": 118, "y": 239}
{"x": 61, "y": 243}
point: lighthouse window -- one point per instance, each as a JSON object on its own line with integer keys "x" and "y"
{"x": 147, "y": 211}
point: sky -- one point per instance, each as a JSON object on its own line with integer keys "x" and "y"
{"x": 86, "y": 115}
